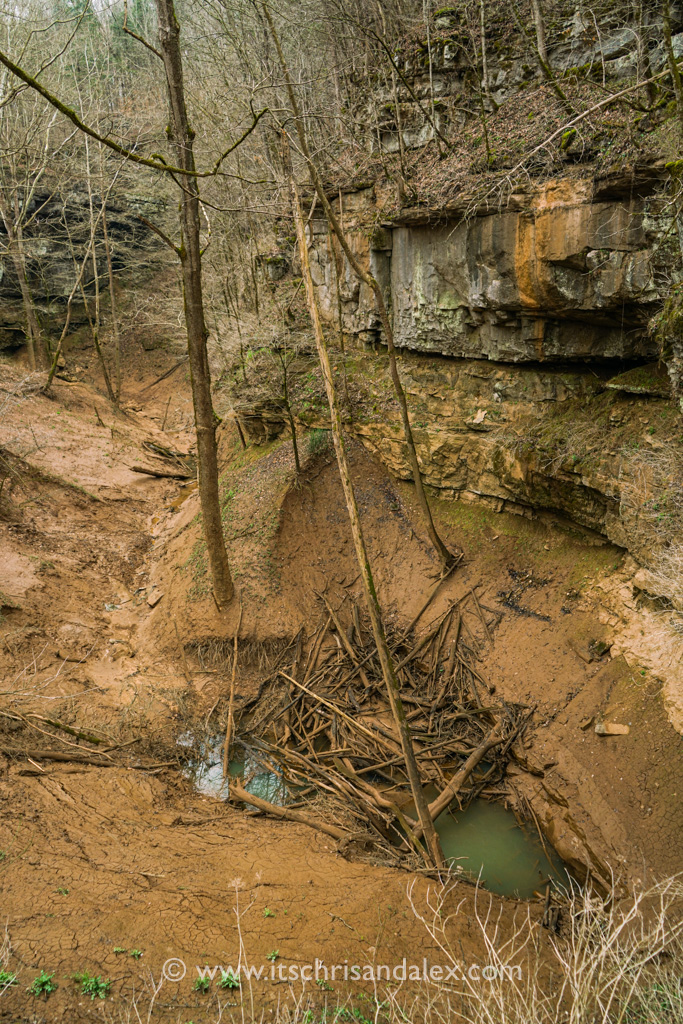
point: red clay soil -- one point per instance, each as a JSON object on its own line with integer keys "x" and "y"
{"x": 108, "y": 626}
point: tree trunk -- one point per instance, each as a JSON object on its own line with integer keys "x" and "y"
{"x": 114, "y": 313}
{"x": 644, "y": 71}
{"x": 445, "y": 555}
{"x": 426, "y": 824}
{"x": 539, "y": 27}
{"x": 190, "y": 257}
{"x": 484, "y": 56}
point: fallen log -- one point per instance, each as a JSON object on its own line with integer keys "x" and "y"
{"x": 283, "y": 812}
{"x": 165, "y": 375}
{"x": 63, "y": 755}
{"x": 88, "y": 736}
{"x": 172, "y": 474}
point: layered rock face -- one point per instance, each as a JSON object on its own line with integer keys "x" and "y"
{"x": 518, "y": 327}
{"x": 54, "y": 246}
{"x": 571, "y": 270}
{"x": 535, "y": 441}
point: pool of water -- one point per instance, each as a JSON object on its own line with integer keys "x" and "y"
{"x": 205, "y": 771}
{"x": 487, "y": 842}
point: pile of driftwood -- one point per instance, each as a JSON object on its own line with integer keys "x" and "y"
{"x": 324, "y": 723}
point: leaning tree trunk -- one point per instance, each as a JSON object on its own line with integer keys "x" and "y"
{"x": 435, "y": 856}
{"x": 363, "y": 275}
{"x": 190, "y": 258}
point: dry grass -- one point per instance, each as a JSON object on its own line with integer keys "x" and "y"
{"x": 613, "y": 961}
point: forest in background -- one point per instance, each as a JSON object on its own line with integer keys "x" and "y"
{"x": 114, "y": 117}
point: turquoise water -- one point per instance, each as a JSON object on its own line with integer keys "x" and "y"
{"x": 206, "y": 773}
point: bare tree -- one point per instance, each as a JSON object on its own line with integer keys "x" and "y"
{"x": 197, "y": 334}
{"x": 184, "y": 172}
{"x": 435, "y": 855}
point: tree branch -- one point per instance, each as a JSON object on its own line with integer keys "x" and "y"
{"x": 158, "y": 164}
{"x": 134, "y": 35}
{"x": 157, "y": 231}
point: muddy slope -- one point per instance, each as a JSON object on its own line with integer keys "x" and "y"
{"x": 107, "y": 628}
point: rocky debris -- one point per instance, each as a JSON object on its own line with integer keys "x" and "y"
{"x": 611, "y": 729}
{"x": 261, "y": 421}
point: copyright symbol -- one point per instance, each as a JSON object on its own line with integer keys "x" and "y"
{"x": 174, "y": 969}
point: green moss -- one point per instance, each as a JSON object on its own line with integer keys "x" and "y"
{"x": 567, "y": 139}
{"x": 477, "y": 525}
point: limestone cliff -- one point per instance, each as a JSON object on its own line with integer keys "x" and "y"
{"x": 571, "y": 269}
{"x": 55, "y": 243}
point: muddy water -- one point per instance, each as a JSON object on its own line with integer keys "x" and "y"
{"x": 484, "y": 842}
{"x": 487, "y": 842}
{"x": 184, "y": 492}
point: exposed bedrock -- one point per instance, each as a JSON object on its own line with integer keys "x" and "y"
{"x": 571, "y": 269}
{"x": 529, "y": 439}
{"x": 54, "y": 244}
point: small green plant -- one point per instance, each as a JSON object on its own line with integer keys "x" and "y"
{"x": 324, "y": 985}
{"x": 318, "y": 441}
{"x": 92, "y": 985}
{"x": 273, "y": 955}
{"x": 42, "y": 984}
{"x": 353, "y": 1014}
{"x": 7, "y": 979}
{"x": 135, "y": 953}
{"x": 268, "y": 913}
{"x": 120, "y": 949}
{"x": 201, "y": 985}
{"x": 229, "y": 980}
{"x": 62, "y": 890}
